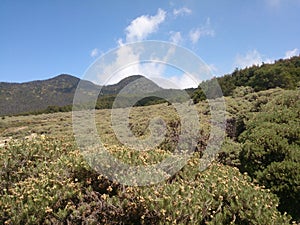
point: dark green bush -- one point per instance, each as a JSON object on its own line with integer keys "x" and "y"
{"x": 271, "y": 149}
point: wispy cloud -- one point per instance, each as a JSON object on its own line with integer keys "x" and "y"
{"x": 205, "y": 30}
{"x": 128, "y": 57}
{"x": 195, "y": 35}
{"x": 141, "y": 27}
{"x": 291, "y": 53}
{"x": 138, "y": 29}
{"x": 182, "y": 11}
{"x": 125, "y": 55}
{"x": 129, "y": 60}
{"x": 253, "y": 57}
{"x": 250, "y": 58}
{"x": 94, "y": 52}
{"x": 176, "y": 37}
{"x": 182, "y": 82}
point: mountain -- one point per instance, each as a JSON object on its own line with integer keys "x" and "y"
{"x": 134, "y": 84}
{"x": 36, "y": 95}
{"x": 56, "y": 94}
{"x": 18, "y": 98}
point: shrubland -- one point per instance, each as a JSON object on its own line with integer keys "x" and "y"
{"x": 47, "y": 181}
{"x": 254, "y": 180}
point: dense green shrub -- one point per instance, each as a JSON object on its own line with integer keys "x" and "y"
{"x": 229, "y": 153}
{"x": 283, "y": 179}
{"x": 283, "y": 73}
{"x": 271, "y": 149}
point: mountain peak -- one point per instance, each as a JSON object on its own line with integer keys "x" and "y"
{"x": 64, "y": 77}
{"x": 134, "y": 84}
{"x": 129, "y": 79}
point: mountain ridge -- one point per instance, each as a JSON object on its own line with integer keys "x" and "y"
{"x": 37, "y": 95}
{"x": 58, "y": 91}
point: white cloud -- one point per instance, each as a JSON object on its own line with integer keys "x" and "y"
{"x": 195, "y": 35}
{"x": 255, "y": 58}
{"x": 129, "y": 59}
{"x": 291, "y": 53}
{"x": 124, "y": 56}
{"x": 141, "y": 27}
{"x": 251, "y": 58}
{"x": 127, "y": 62}
{"x": 182, "y": 82}
{"x": 205, "y": 30}
{"x": 176, "y": 37}
{"x": 94, "y": 52}
{"x": 120, "y": 42}
{"x": 182, "y": 11}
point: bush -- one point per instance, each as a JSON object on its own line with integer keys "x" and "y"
{"x": 283, "y": 179}
{"x": 220, "y": 195}
{"x": 242, "y": 91}
{"x": 271, "y": 149}
{"x": 46, "y": 181}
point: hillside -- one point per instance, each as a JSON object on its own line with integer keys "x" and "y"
{"x": 18, "y": 98}
{"x": 141, "y": 83}
{"x": 283, "y": 73}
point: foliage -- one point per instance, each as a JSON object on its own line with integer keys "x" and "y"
{"x": 208, "y": 89}
{"x": 47, "y": 181}
{"x": 242, "y": 91}
{"x": 220, "y": 195}
{"x": 271, "y": 149}
{"x": 283, "y": 73}
{"x": 32, "y": 182}
{"x": 229, "y": 153}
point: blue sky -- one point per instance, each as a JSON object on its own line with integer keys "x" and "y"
{"x": 41, "y": 39}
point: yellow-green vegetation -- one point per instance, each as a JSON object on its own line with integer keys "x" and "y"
{"x": 46, "y": 180}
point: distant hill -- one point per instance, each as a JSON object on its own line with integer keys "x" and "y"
{"x": 138, "y": 84}
{"x": 18, "y": 98}
{"x": 36, "y": 95}
{"x": 56, "y": 94}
